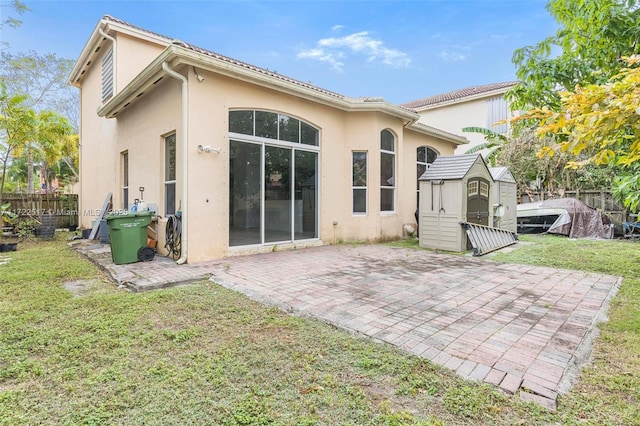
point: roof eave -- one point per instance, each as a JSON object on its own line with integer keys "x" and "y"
{"x": 96, "y": 39}
{"x": 469, "y": 98}
{"x": 438, "y": 133}
{"x": 139, "y": 85}
{"x": 178, "y": 55}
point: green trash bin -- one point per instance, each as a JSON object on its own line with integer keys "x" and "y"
{"x": 128, "y": 235}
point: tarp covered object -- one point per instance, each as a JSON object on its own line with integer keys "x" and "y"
{"x": 579, "y": 220}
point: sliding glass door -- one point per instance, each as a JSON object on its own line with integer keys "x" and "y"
{"x": 272, "y": 194}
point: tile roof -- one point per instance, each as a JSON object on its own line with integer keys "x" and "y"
{"x": 459, "y": 94}
{"x": 227, "y": 59}
{"x": 450, "y": 167}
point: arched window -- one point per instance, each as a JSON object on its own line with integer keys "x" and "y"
{"x": 425, "y": 156}
{"x": 387, "y": 171}
{"x": 273, "y": 178}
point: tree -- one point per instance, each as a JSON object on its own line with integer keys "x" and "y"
{"x": 42, "y": 78}
{"x": 494, "y": 143}
{"x": 10, "y": 21}
{"x": 586, "y": 49}
{"x": 17, "y": 124}
{"x": 22, "y": 127}
{"x": 601, "y": 123}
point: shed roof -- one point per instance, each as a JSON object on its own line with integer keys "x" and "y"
{"x": 451, "y": 167}
{"x": 502, "y": 174}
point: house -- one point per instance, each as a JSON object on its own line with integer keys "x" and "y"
{"x": 251, "y": 159}
{"x": 477, "y": 106}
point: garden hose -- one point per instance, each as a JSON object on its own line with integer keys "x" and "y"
{"x": 173, "y": 234}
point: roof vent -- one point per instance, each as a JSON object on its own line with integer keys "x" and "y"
{"x": 177, "y": 42}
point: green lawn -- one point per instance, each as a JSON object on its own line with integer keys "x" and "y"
{"x": 201, "y": 354}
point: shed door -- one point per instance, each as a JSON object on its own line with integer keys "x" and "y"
{"x": 478, "y": 201}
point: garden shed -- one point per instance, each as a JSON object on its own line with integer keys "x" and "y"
{"x": 505, "y": 201}
{"x": 454, "y": 189}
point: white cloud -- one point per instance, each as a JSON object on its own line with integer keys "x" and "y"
{"x": 332, "y": 49}
{"x": 337, "y": 28}
{"x": 323, "y": 56}
{"x": 453, "y": 56}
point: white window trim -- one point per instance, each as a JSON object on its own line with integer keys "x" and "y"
{"x": 395, "y": 178}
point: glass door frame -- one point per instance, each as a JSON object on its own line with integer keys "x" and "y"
{"x": 293, "y": 148}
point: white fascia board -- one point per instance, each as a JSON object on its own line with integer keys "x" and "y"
{"x": 96, "y": 39}
{"x": 438, "y": 133}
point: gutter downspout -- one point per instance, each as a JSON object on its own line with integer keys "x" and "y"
{"x": 115, "y": 57}
{"x": 185, "y": 138}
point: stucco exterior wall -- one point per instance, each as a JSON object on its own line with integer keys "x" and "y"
{"x": 140, "y": 128}
{"x": 98, "y": 157}
{"x": 132, "y": 56}
{"x": 453, "y": 118}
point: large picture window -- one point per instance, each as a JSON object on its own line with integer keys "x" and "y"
{"x": 170, "y": 175}
{"x": 387, "y": 171}
{"x": 273, "y": 178}
{"x": 359, "y": 182}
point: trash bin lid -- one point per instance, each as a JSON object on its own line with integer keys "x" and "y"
{"x": 127, "y": 214}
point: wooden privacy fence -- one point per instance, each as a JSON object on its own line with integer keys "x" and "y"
{"x": 601, "y": 200}
{"x": 64, "y": 207}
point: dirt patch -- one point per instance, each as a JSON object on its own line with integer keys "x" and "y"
{"x": 79, "y": 287}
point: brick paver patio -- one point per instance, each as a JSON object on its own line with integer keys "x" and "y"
{"x": 524, "y": 329}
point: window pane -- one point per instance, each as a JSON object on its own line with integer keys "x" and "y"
{"x": 421, "y": 169}
{"x": 431, "y": 155}
{"x": 245, "y": 193}
{"x": 305, "y": 206}
{"x": 473, "y": 188}
{"x": 387, "y": 141}
{"x": 277, "y": 197}
{"x": 422, "y": 154}
{"x": 267, "y": 124}
{"x": 169, "y": 199}
{"x": 387, "y": 169}
{"x": 484, "y": 189}
{"x": 309, "y": 134}
{"x": 125, "y": 169}
{"x": 241, "y": 122}
{"x": 360, "y": 200}
{"x": 289, "y": 129}
{"x": 170, "y": 158}
{"x": 125, "y": 198}
{"x": 359, "y": 168}
{"x": 386, "y": 199}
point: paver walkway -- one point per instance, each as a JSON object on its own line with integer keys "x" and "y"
{"x": 524, "y": 329}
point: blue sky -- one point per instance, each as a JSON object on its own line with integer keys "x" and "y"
{"x": 399, "y": 50}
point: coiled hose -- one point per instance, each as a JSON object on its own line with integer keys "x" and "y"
{"x": 173, "y": 234}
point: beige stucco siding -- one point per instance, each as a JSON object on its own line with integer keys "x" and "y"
{"x": 98, "y": 157}
{"x": 453, "y": 118}
{"x": 132, "y": 56}
{"x": 140, "y": 127}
